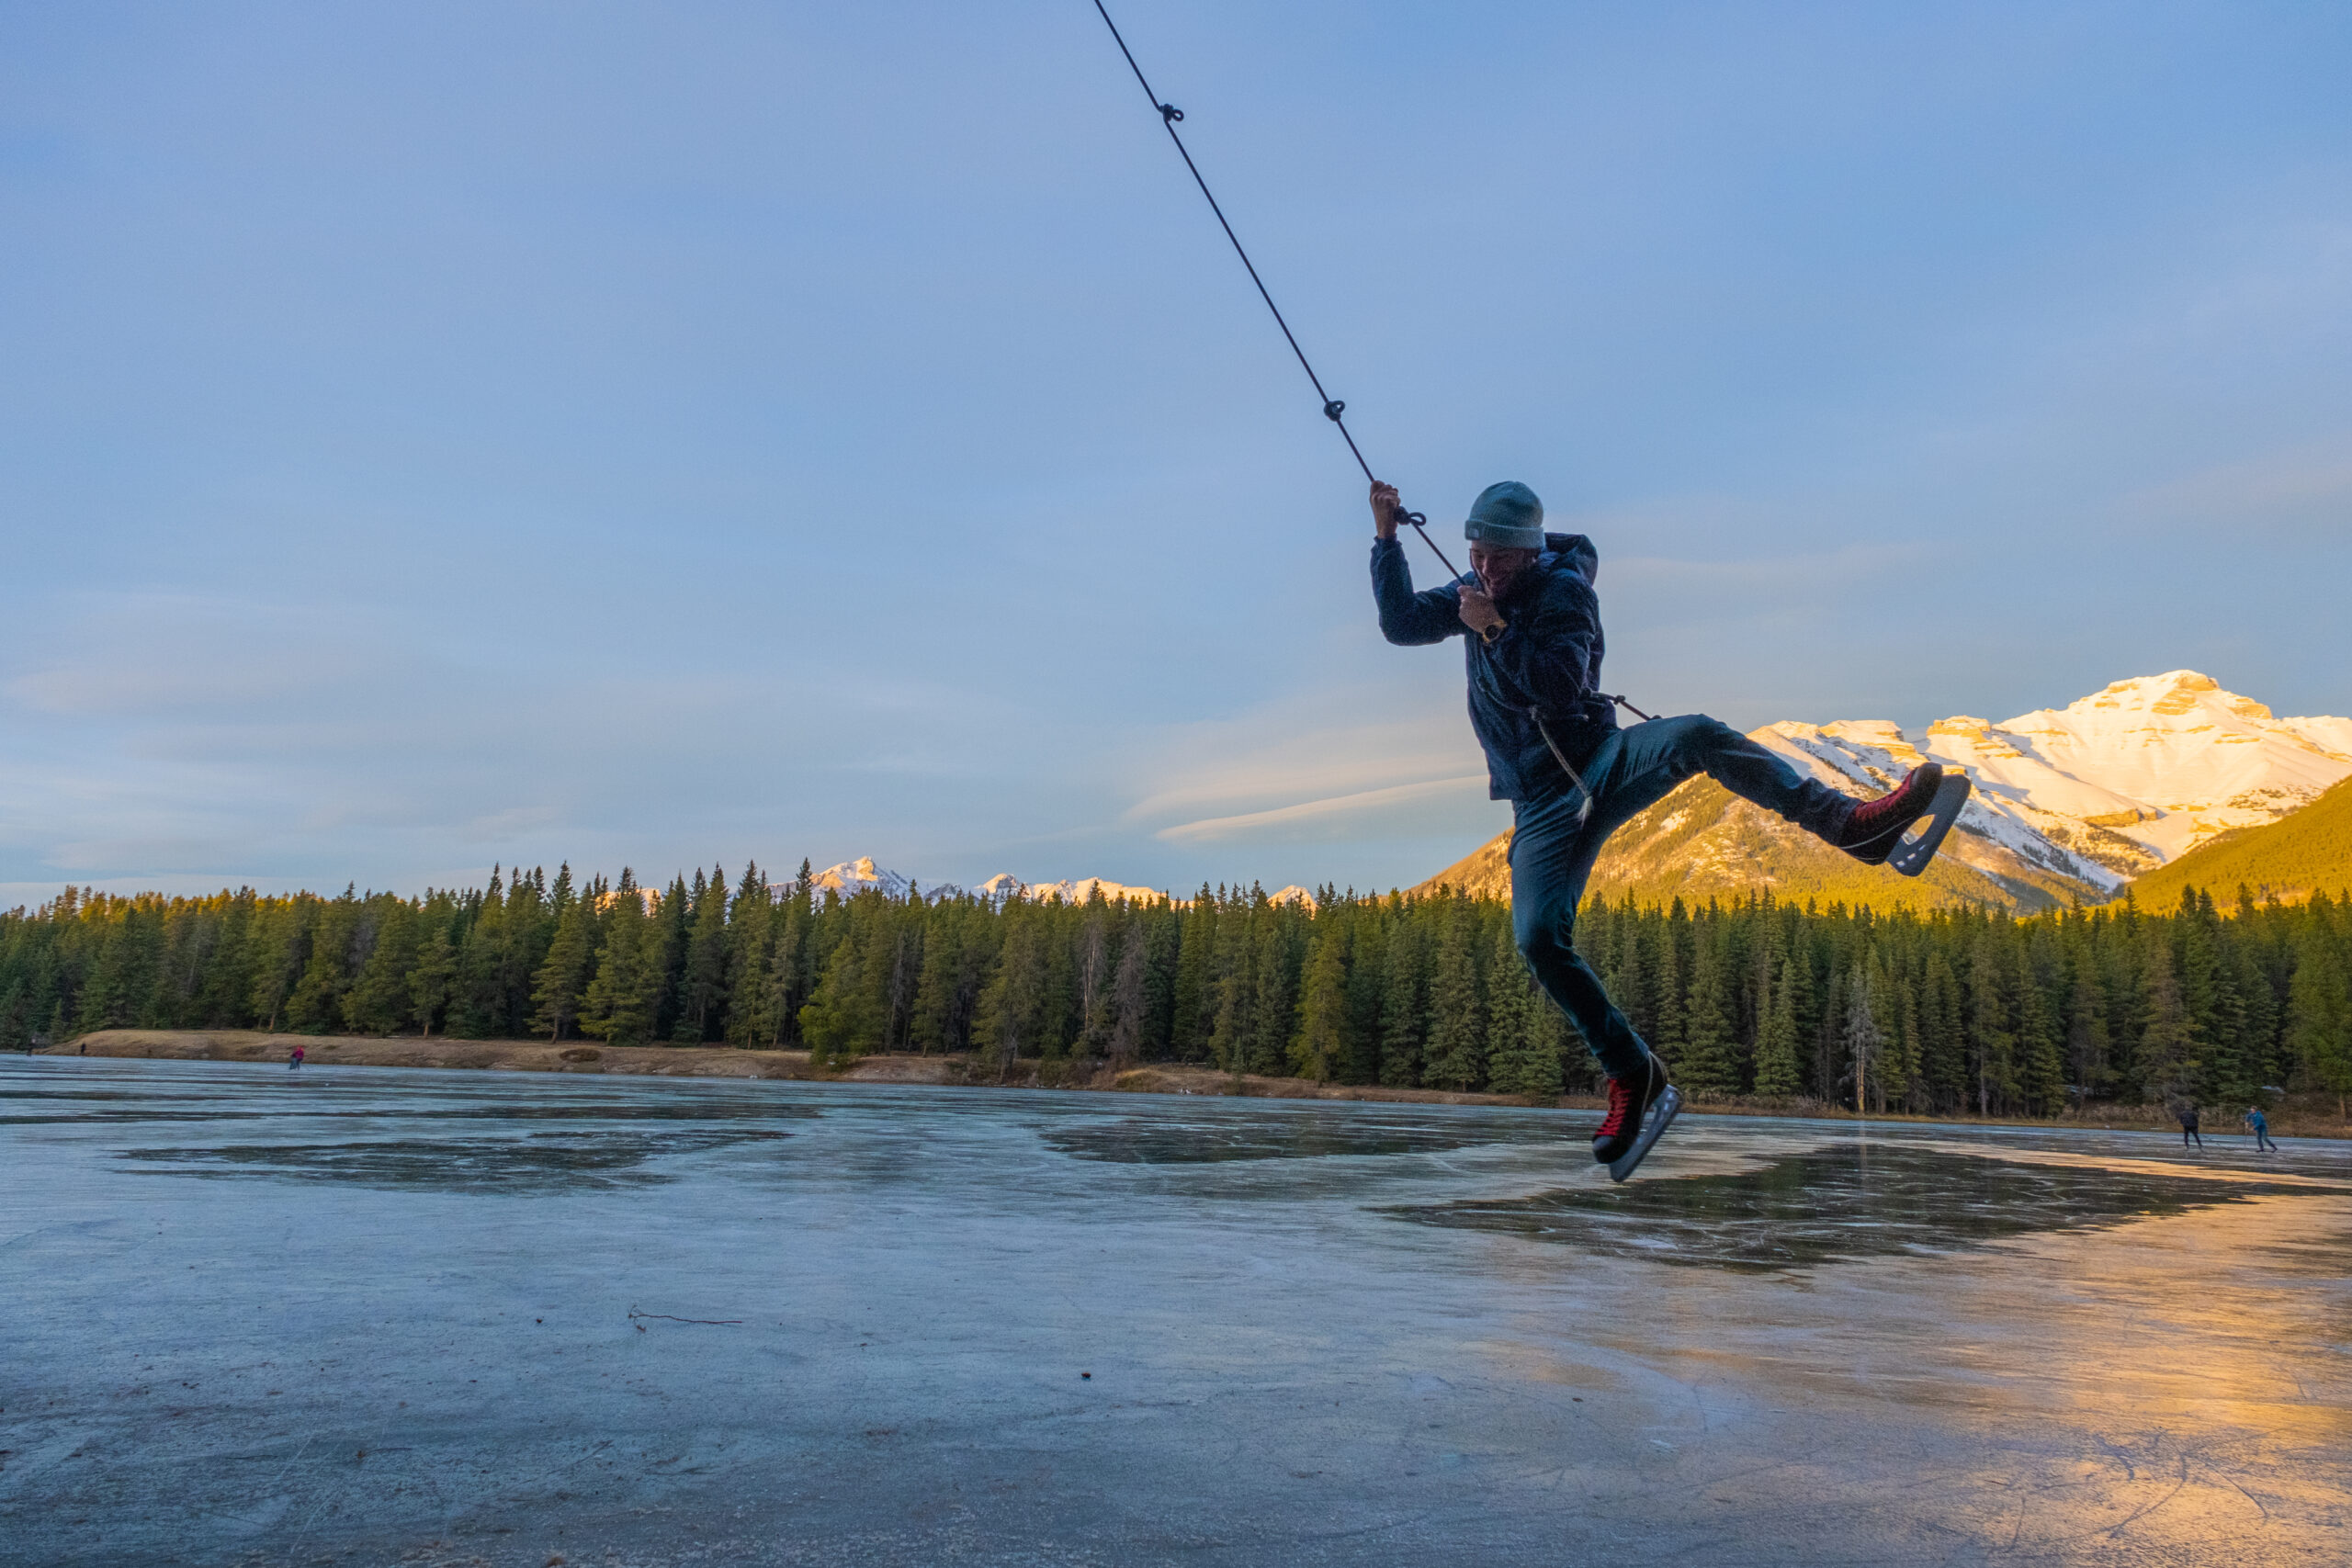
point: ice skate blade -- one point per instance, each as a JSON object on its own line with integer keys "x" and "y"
{"x": 1911, "y": 856}
{"x": 1661, "y": 1117}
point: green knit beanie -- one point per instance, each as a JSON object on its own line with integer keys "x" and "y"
{"x": 1506, "y": 515}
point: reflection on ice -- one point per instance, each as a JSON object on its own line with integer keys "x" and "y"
{"x": 535, "y": 1163}
{"x": 1848, "y": 1201}
{"x": 1288, "y": 1133}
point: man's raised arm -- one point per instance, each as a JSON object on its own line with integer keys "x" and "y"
{"x": 1406, "y": 617}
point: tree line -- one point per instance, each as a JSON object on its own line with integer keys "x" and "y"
{"x": 1956, "y": 1010}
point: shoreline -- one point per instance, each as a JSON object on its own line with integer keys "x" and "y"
{"x": 2296, "y": 1120}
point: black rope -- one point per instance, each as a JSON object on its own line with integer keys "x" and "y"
{"x": 1332, "y": 407}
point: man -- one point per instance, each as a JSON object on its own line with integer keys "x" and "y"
{"x": 2260, "y": 1126}
{"x": 2186, "y": 1114}
{"x": 1554, "y": 752}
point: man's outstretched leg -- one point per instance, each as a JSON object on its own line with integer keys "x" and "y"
{"x": 1552, "y": 851}
{"x": 1642, "y": 764}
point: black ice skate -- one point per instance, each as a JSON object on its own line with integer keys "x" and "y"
{"x": 1874, "y": 835}
{"x": 1638, "y": 1117}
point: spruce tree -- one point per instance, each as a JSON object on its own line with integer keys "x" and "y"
{"x": 564, "y": 975}
{"x": 1193, "y": 1004}
{"x": 1323, "y": 1013}
{"x": 2166, "y": 1058}
{"x": 1522, "y": 1051}
{"x": 1274, "y": 1007}
{"x": 1404, "y": 1022}
{"x": 703, "y": 984}
{"x": 2041, "y": 1047}
{"x": 1708, "y": 1065}
{"x": 435, "y": 970}
{"x": 1457, "y": 1022}
{"x": 616, "y": 1008}
{"x": 1864, "y": 1037}
{"x": 378, "y": 1002}
{"x": 1130, "y": 993}
{"x": 1776, "y": 1044}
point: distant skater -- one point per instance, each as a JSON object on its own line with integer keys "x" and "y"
{"x": 1554, "y": 752}
{"x": 295, "y": 1059}
{"x": 2188, "y": 1115}
{"x": 2261, "y": 1126}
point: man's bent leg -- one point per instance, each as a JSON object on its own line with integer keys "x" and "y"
{"x": 1651, "y": 758}
{"x": 1551, "y": 856}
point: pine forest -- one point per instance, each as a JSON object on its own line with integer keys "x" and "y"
{"x": 1966, "y": 1011}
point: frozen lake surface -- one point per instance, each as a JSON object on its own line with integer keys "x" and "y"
{"x": 358, "y": 1316}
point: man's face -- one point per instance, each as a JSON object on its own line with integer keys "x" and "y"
{"x": 1497, "y": 567}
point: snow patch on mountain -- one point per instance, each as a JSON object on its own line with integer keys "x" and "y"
{"x": 862, "y": 876}
{"x": 852, "y": 877}
{"x": 2107, "y": 787}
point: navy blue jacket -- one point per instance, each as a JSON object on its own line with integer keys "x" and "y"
{"x": 1547, "y": 659}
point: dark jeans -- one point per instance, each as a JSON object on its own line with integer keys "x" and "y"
{"x": 1552, "y": 852}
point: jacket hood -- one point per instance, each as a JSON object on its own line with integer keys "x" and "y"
{"x": 1576, "y": 551}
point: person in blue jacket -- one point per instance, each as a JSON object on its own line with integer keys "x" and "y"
{"x": 1534, "y": 646}
{"x": 2259, "y": 1125}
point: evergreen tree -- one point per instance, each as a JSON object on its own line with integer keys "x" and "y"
{"x": 1989, "y": 1023}
{"x": 1457, "y": 1024}
{"x": 702, "y": 999}
{"x": 615, "y": 1007}
{"x": 1193, "y": 1004}
{"x": 1130, "y": 994}
{"x": 1323, "y": 1012}
{"x": 1863, "y": 1035}
{"x": 2166, "y": 1058}
{"x": 1776, "y": 1044}
{"x": 2319, "y": 1007}
{"x": 1708, "y": 1065}
{"x": 1274, "y": 1007}
{"x": 1404, "y": 1025}
{"x": 562, "y": 980}
{"x": 437, "y": 967}
{"x": 1523, "y": 1049}
{"x": 2042, "y": 1072}
{"x": 378, "y": 1002}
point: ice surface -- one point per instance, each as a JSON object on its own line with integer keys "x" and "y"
{"x": 354, "y": 1315}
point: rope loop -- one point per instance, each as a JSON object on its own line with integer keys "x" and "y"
{"x": 1333, "y": 410}
{"x": 1170, "y": 114}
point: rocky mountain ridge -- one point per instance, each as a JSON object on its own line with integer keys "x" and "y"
{"x": 862, "y": 876}
{"x": 2069, "y": 803}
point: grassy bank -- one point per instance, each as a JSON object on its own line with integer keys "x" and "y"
{"x": 2302, "y": 1116}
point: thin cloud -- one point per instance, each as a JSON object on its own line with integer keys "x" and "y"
{"x": 1210, "y": 830}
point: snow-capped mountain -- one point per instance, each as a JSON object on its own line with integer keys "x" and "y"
{"x": 2109, "y": 786}
{"x": 862, "y": 876}
{"x": 2071, "y": 801}
{"x": 1076, "y": 890}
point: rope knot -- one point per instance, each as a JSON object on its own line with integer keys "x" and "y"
{"x": 1170, "y": 114}
{"x": 1333, "y": 410}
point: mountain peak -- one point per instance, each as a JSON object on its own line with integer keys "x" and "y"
{"x": 2070, "y": 802}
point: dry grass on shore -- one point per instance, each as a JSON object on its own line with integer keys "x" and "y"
{"x": 2302, "y": 1116}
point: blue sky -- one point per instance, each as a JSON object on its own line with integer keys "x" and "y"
{"x": 439, "y": 435}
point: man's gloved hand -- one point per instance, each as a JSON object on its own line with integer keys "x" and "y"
{"x": 1387, "y": 510}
